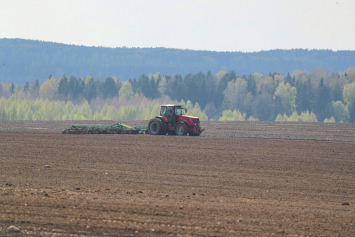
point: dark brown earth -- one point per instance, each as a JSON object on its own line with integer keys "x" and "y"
{"x": 270, "y": 179}
{"x": 332, "y": 132}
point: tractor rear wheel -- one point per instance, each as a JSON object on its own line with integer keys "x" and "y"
{"x": 181, "y": 129}
{"x": 155, "y": 126}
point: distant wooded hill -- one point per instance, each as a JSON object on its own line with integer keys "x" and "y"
{"x": 25, "y": 60}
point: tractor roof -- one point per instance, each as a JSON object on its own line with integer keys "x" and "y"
{"x": 171, "y": 105}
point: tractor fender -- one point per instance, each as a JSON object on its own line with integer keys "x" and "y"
{"x": 182, "y": 122}
{"x": 163, "y": 119}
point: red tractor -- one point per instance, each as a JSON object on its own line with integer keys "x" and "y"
{"x": 172, "y": 122}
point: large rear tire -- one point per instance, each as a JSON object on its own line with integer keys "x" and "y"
{"x": 181, "y": 129}
{"x": 155, "y": 126}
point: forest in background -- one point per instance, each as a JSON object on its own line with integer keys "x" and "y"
{"x": 310, "y": 96}
{"x": 25, "y": 60}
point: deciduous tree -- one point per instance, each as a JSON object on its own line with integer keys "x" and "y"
{"x": 48, "y": 89}
{"x": 286, "y": 94}
{"x": 126, "y": 90}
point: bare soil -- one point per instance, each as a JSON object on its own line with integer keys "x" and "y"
{"x": 332, "y": 132}
{"x": 236, "y": 179}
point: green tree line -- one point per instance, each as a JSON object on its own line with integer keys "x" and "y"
{"x": 298, "y": 96}
{"x": 19, "y": 109}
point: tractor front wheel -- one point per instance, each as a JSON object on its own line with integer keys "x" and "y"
{"x": 181, "y": 129}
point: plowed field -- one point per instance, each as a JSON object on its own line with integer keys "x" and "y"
{"x": 237, "y": 179}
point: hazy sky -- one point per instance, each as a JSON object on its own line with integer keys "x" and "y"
{"x": 202, "y": 25}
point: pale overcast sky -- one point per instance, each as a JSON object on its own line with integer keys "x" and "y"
{"x": 248, "y": 25}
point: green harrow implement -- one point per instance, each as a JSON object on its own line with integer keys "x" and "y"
{"x": 118, "y": 128}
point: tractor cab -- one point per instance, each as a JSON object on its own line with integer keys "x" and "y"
{"x": 171, "y": 111}
{"x": 172, "y": 121}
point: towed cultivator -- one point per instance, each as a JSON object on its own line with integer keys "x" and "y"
{"x": 118, "y": 128}
{"x": 171, "y": 121}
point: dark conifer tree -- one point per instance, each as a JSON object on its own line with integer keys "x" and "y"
{"x": 337, "y": 92}
{"x": 289, "y": 79}
{"x": 134, "y": 85}
{"x": 12, "y": 88}
{"x": 109, "y": 88}
{"x": 74, "y": 89}
{"x": 35, "y": 89}
{"x": 143, "y": 85}
{"x": 36, "y": 84}
{"x": 192, "y": 88}
{"x": 26, "y": 87}
{"x": 90, "y": 91}
{"x": 322, "y": 101}
{"x": 153, "y": 89}
{"x": 173, "y": 92}
{"x": 352, "y": 112}
{"x": 203, "y": 95}
{"x": 63, "y": 88}
{"x": 181, "y": 89}
{"x": 302, "y": 98}
{"x": 251, "y": 85}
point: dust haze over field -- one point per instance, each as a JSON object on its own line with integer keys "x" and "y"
{"x": 238, "y": 178}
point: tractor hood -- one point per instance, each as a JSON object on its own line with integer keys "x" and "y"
{"x": 188, "y": 116}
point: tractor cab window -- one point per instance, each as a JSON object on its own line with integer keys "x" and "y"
{"x": 163, "y": 111}
{"x": 169, "y": 111}
{"x": 178, "y": 111}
